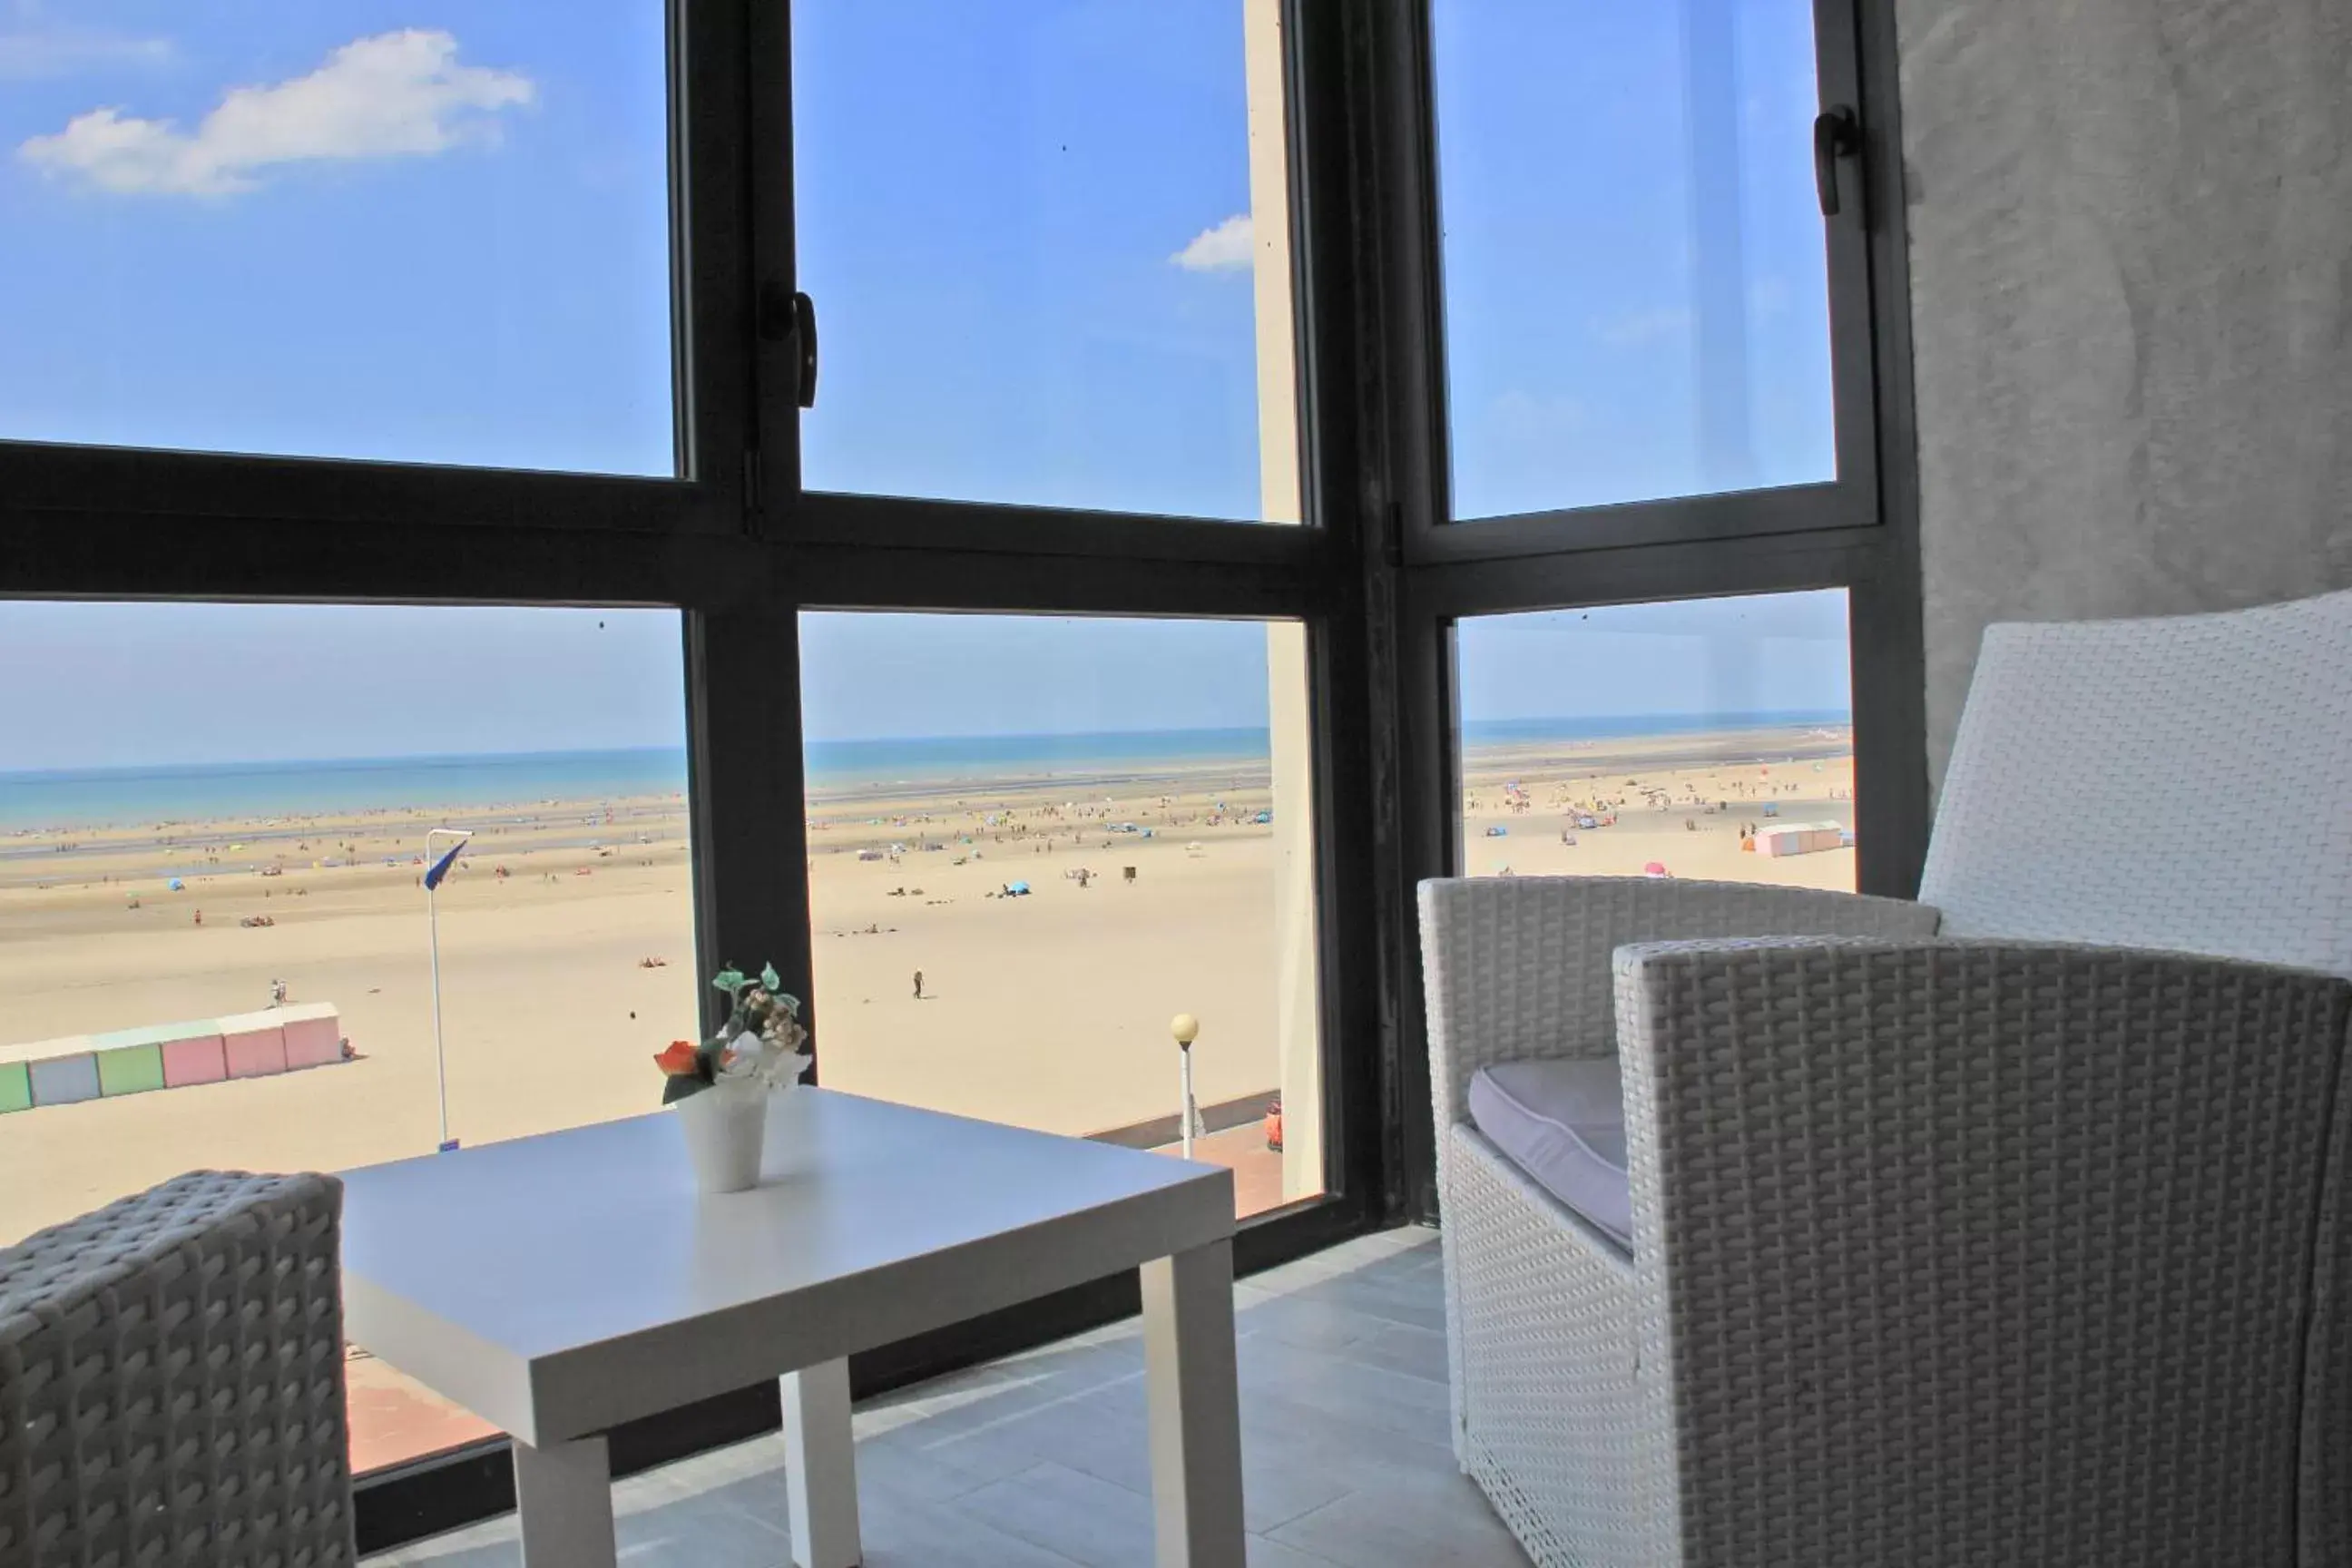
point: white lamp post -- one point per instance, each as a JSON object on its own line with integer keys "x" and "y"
{"x": 433, "y": 919}
{"x": 1187, "y": 1028}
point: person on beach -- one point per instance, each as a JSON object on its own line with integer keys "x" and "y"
{"x": 919, "y": 985}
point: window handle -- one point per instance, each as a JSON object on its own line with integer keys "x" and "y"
{"x": 804, "y": 327}
{"x": 790, "y": 318}
{"x": 1837, "y": 134}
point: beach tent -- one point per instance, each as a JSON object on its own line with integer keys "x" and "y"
{"x": 1499, "y": 831}
{"x": 1017, "y": 889}
{"x": 1655, "y": 869}
{"x": 177, "y": 885}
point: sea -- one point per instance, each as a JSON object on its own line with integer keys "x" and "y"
{"x": 47, "y": 799}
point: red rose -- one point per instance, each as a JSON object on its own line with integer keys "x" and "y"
{"x": 680, "y": 1060}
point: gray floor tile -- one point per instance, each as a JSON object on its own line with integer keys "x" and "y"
{"x": 1041, "y": 1460}
{"x": 1084, "y": 1518}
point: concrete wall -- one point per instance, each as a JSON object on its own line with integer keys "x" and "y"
{"x": 2131, "y": 252}
{"x": 1288, "y": 712}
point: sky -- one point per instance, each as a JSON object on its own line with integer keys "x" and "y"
{"x": 140, "y": 685}
{"x": 436, "y": 230}
{"x": 1760, "y": 653}
{"x": 1634, "y": 278}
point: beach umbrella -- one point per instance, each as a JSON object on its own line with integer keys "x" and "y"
{"x": 1017, "y": 889}
{"x": 1654, "y": 868}
{"x": 178, "y": 886}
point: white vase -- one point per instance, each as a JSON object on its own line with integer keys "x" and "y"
{"x": 725, "y": 1126}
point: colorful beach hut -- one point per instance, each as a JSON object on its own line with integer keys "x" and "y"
{"x": 1800, "y": 837}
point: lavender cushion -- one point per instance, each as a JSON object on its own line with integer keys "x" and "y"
{"x": 1562, "y": 1122}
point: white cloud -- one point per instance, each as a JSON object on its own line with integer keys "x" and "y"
{"x": 32, "y": 56}
{"x": 1224, "y": 248}
{"x": 1637, "y": 327}
{"x": 393, "y": 95}
{"x": 1531, "y": 417}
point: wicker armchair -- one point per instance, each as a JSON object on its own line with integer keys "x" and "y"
{"x": 172, "y": 1382}
{"x": 1954, "y": 1237}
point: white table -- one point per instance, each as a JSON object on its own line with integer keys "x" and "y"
{"x": 562, "y": 1285}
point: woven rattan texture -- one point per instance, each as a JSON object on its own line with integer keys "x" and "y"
{"x": 2181, "y": 784}
{"x": 172, "y": 1382}
{"x": 1975, "y": 1252}
{"x": 2327, "y": 1381}
{"x": 1518, "y": 967}
{"x": 1565, "y": 1431}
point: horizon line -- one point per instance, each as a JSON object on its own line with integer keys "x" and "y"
{"x": 680, "y": 749}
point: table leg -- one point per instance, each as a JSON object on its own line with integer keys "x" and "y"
{"x": 821, "y": 1466}
{"x": 564, "y": 1495}
{"x": 1196, "y": 1430}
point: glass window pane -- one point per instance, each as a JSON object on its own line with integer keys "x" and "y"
{"x": 339, "y": 231}
{"x": 1706, "y": 738}
{"x": 1048, "y": 243}
{"x": 1034, "y": 842}
{"x": 214, "y": 826}
{"x": 1636, "y": 297}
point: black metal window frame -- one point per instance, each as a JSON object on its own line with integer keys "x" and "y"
{"x": 1858, "y": 532}
{"x": 1374, "y": 574}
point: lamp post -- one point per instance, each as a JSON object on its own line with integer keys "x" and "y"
{"x": 434, "y": 872}
{"x": 1187, "y": 1028}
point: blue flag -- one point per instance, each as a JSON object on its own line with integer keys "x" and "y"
{"x": 441, "y": 866}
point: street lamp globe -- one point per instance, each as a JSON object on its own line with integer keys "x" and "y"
{"x": 1185, "y": 1027}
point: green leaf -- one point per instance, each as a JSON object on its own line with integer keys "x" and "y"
{"x": 770, "y": 978}
{"x": 729, "y": 980}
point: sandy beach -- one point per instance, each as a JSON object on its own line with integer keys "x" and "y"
{"x": 1050, "y": 1009}
{"x": 1682, "y": 802}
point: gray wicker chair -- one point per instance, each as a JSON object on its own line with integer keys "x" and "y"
{"x": 172, "y": 1382}
{"x": 1954, "y": 1238}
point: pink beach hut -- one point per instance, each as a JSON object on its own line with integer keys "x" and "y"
{"x": 255, "y": 1043}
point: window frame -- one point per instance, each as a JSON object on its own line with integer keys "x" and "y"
{"x": 1430, "y": 530}
{"x": 1372, "y": 572}
{"x": 1692, "y": 548}
{"x": 707, "y": 160}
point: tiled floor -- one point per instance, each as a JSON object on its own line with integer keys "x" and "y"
{"x": 1040, "y": 1461}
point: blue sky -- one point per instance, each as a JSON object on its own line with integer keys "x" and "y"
{"x": 125, "y": 685}
{"x": 436, "y": 230}
{"x": 992, "y": 200}
{"x": 1597, "y": 254}
{"x": 290, "y": 272}
{"x": 97, "y": 685}
{"x": 1758, "y": 653}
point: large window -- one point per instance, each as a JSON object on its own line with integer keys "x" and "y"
{"x": 1049, "y": 239}
{"x": 1709, "y": 739}
{"x": 1034, "y": 842}
{"x": 1636, "y": 289}
{"x": 216, "y": 947}
{"x": 1094, "y": 278}
{"x": 343, "y": 231}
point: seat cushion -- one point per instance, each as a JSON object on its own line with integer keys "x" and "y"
{"x": 1562, "y": 1122}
